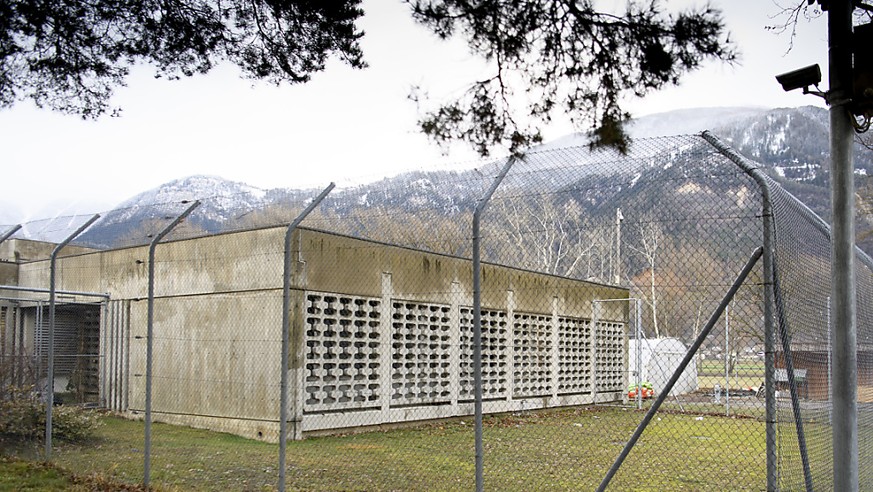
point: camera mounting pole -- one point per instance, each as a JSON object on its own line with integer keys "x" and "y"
{"x": 844, "y": 378}
{"x": 847, "y": 96}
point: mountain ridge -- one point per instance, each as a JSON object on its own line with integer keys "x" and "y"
{"x": 790, "y": 143}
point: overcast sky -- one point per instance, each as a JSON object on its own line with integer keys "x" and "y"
{"x": 344, "y": 124}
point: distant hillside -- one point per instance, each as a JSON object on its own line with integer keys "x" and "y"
{"x": 790, "y": 143}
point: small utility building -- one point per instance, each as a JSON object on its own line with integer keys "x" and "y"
{"x": 657, "y": 359}
{"x": 379, "y": 334}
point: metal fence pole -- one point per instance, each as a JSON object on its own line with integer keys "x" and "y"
{"x": 149, "y": 342}
{"x": 639, "y": 356}
{"x": 477, "y": 321}
{"x": 845, "y": 369}
{"x": 830, "y": 365}
{"x": 38, "y": 337}
{"x": 727, "y": 365}
{"x": 50, "y": 378}
{"x": 618, "y": 218}
{"x": 768, "y": 239}
{"x": 788, "y": 360}
{"x": 834, "y": 352}
{"x": 286, "y": 307}
{"x": 12, "y": 230}
{"x": 692, "y": 352}
{"x": 639, "y": 321}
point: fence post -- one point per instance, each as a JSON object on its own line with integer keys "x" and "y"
{"x": 769, "y": 332}
{"x": 38, "y": 337}
{"x": 477, "y": 320}
{"x": 638, "y": 334}
{"x": 785, "y": 336}
{"x": 845, "y": 369}
{"x": 50, "y": 378}
{"x": 12, "y": 230}
{"x": 286, "y": 319}
{"x": 149, "y": 342}
{"x": 692, "y": 352}
{"x": 727, "y": 361}
{"x": 597, "y": 312}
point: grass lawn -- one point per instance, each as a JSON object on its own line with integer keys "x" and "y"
{"x": 746, "y": 374}
{"x": 568, "y": 449}
{"x": 25, "y": 475}
{"x": 21, "y": 475}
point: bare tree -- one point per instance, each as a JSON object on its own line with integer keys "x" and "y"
{"x": 650, "y": 236}
{"x": 543, "y": 234}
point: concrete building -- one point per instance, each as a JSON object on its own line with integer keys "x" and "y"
{"x": 380, "y": 334}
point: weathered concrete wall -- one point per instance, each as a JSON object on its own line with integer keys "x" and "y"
{"x": 122, "y": 273}
{"x": 252, "y": 260}
{"x": 245, "y": 261}
{"x": 26, "y": 250}
{"x": 216, "y": 357}
{"x": 217, "y": 332}
{"x": 14, "y": 252}
{"x": 341, "y": 264}
{"x": 8, "y": 273}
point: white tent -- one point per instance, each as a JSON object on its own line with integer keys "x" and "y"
{"x": 659, "y": 358}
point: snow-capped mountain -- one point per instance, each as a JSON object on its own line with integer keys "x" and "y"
{"x": 789, "y": 139}
{"x": 678, "y": 122}
{"x": 790, "y": 143}
{"x": 221, "y": 201}
{"x": 224, "y": 198}
{"x": 793, "y": 146}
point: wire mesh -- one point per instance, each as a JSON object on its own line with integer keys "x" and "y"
{"x": 673, "y": 223}
{"x": 599, "y": 271}
{"x": 803, "y": 253}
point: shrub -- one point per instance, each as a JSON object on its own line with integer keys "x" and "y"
{"x": 73, "y": 423}
{"x": 22, "y": 414}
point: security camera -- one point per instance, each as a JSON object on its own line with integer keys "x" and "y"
{"x": 801, "y": 78}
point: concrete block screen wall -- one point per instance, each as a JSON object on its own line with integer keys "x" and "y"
{"x": 385, "y": 335}
{"x": 379, "y": 334}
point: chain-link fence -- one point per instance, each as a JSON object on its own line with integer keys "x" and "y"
{"x": 804, "y": 356}
{"x": 507, "y": 327}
